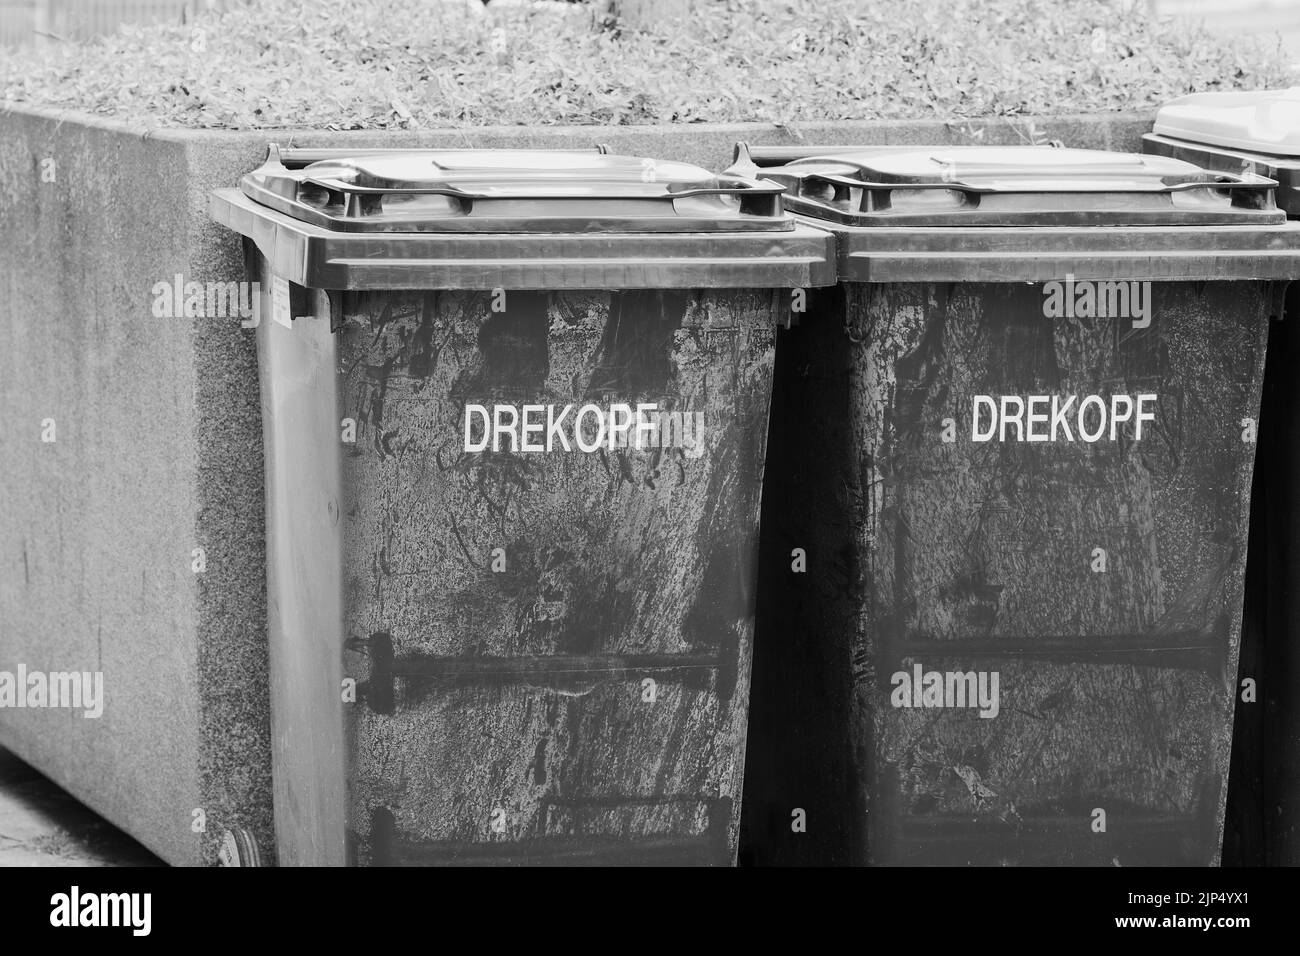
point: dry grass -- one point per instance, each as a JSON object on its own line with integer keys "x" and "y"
{"x": 376, "y": 64}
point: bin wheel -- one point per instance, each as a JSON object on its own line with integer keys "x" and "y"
{"x": 239, "y": 848}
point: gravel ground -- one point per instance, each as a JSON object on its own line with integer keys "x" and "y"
{"x": 41, "y": 825}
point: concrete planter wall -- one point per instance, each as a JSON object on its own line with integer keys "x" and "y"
{"x": 156, "y": 448}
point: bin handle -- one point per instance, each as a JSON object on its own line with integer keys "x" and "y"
{"x": 732, "y": 187}
{"x": 1243, "y": 190}
{"x": 744, "y": 155}
{"x": 783, "y": 155}
{"x": 1231, "y": 181}
{"x": 729, "y": 184}
{"x": 754, "y": 197}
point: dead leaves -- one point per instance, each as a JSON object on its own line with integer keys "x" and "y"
{"x": 404, "y": 64}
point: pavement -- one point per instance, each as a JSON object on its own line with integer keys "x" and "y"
{"x": 42, "y": 825}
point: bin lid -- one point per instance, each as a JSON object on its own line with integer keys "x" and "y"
{"x": 1008, "y": 186}
{"x": 1264, "y": 121}
{"x": 509, "y": 190}
{"x": 387, "y": 219}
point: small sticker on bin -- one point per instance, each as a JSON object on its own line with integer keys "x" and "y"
{"x": 281, "y": 311}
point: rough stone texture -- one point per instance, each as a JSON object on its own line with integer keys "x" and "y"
{"x": 158, "y": 446}
{"x": 980, "y": 556}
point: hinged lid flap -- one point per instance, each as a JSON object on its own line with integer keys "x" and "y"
{"x": 1007, "y": 185}
{"x": 1266, "y": 121}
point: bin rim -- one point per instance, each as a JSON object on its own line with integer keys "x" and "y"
{"x": 1045, "y": 254}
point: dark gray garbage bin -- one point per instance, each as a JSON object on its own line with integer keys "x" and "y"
{"x": 1049, "y": 361}
{"x": 515, "y": 407}
{"x": 1260, "y": 132}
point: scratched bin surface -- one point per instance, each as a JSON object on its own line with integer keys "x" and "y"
{"x": 552, "y": 647}
{"x": 1048, "y": 639}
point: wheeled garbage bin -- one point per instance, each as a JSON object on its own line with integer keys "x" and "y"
{"x": 1260, "y": 132}
{"x": 515, "y": 406}
{"x": 1049, "y": 361}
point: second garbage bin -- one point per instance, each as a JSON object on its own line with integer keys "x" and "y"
{"x": 1051, "y": 362}
{"x": 515, "y": 408}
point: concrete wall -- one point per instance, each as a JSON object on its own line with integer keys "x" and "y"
{"x": 157, "y": 446}
{"x": 157, "y": 452}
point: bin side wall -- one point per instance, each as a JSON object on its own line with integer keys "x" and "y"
{"x": 98, "y": 525}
